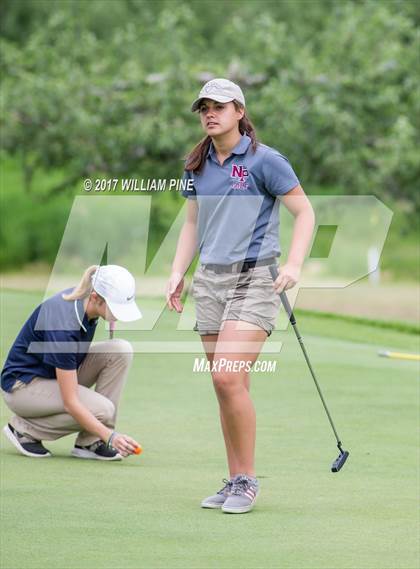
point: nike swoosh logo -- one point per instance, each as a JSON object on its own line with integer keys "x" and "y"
{"x": 130, "y": 297}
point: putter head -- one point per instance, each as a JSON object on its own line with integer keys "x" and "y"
{"x": 339, "y": 461}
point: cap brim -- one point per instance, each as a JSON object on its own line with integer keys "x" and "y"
{"x": 126, "y": 312}
{"x": 218, "y": 98}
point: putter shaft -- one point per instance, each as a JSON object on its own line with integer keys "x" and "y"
{"x": 339, "y": 462}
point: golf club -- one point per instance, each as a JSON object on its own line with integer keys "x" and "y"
{"x": 342, "y": 457}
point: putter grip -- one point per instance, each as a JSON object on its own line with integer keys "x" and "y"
{"x": 285, "y": 301}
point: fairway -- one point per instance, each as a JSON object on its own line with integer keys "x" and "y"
{"x": 143, "y": 513}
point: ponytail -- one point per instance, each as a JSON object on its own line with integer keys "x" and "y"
{"x": 84, "y": 288}
{"x": 196, "y": 158}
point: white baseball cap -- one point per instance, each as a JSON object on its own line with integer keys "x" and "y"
{"x": 220, "y": 90}
{"x": 118, "y": 287}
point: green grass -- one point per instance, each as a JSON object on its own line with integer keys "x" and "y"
{"x": 64, "y": 513}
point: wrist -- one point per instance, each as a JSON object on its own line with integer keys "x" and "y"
{"x": 295, "y": 264}
{"x": 107, "y": 436}
{"x": 178, "y": 272}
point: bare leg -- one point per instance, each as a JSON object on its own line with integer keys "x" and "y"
{"x": 232, "y": 389}
{"x": 209, "y": 343}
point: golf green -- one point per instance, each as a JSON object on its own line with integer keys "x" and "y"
{"x": 66, "y": 513}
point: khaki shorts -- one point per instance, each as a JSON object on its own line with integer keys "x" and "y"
{"x": 249, "y": 297}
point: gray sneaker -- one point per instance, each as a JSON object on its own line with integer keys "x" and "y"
{"x": 219, "y": 498}
{"x": 242, "y": 496}
{"x": 98, "y": 451}
{"x": 25, "y": 444}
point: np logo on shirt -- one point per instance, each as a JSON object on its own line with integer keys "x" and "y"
{"x": 239, "y": 174}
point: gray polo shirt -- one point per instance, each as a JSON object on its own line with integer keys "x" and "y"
{"x": 238, "y": 213}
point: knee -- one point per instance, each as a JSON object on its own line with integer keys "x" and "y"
{"x": 106, "y": 411}
{"x": 227, "y": 384}
{"x": 122, "y": 349}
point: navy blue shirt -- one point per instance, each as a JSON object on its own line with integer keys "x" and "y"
{"x": 238, "y": 213}
{"x": 56, "y": 335}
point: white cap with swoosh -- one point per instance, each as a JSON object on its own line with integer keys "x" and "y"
{"x": 118, "y": 287}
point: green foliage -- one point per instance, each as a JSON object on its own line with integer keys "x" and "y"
{"x": 30, "y": 229}
{"x": 332, "y": 85}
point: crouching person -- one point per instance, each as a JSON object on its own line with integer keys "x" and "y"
{"x": 47, "y": 377}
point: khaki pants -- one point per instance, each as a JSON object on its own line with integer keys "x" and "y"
{"x": 39, "y": 406}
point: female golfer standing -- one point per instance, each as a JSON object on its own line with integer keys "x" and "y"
{"x": 52, "y": 364}
{"x": 233, "y": 219}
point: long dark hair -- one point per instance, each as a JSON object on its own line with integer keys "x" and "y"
{"x": 196, "y": 158}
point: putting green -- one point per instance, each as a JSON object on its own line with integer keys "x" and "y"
{"x": 65, "y": 513}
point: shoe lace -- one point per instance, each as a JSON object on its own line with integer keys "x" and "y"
{"x": 227, "y": 485}
{"x": 240, "y": 485}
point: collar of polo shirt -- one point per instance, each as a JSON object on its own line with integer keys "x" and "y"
{"x": 240, "y": 148}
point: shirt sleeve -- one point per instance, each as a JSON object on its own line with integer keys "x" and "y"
{"x": 279, "y": 176}
{"x": 61, "y": 349}
{"x": 189, "y": 191}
